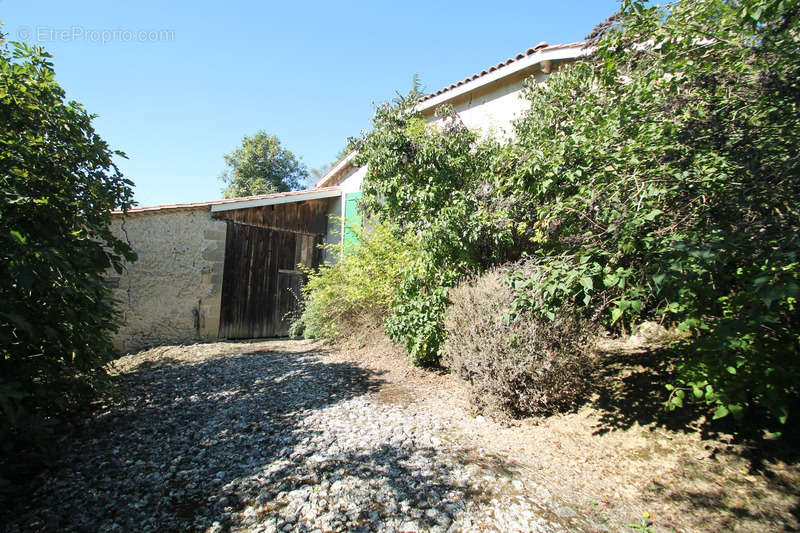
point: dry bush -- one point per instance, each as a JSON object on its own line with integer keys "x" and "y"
{"x": 528, "y": 366}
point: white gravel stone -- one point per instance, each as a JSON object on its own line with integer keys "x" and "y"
{"x": 273, "y": 442}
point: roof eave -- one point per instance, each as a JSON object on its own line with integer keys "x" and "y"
{"x": 244, "y": 202}
{"x": 312, "y": 194}
{"x": 337, "y": 169}
{"x": 554, "y": 53}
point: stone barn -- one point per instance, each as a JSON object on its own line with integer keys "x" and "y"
{"x": 219, "y": 269}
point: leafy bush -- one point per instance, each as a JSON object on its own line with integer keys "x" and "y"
{"x": 436, "y": 181}
{"x": 417, "y": 312}
{"x": 524, "y": 366}
{"x": 59, "y": 185}
{"x": 666, "y": 176}
{"x": 655, "y": 180}
{"x": 355, "y": 293}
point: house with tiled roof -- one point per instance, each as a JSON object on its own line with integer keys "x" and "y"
{"x": 230, "y": 268}
{"x": 488, "y": 101}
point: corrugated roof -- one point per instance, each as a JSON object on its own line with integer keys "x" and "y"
{"x": 191, "y": 205}
{"x": 541, "y": 47}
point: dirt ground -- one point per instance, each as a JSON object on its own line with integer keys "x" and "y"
{"x": 620, "y": 458}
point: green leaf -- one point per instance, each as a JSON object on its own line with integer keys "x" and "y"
{"x": 653, "y": 214}
{"x": 721, "y": 412}
{"x": 18, "y": 236}
{"x": 761, "y": 281}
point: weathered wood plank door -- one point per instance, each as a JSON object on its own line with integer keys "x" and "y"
{"x": 261, "y": 283}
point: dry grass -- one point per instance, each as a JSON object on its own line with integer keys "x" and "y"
{"x": 620, "y": 454}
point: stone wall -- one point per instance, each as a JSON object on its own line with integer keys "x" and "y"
{"x": 172, "y": 293}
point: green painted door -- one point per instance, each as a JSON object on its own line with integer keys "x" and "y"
{"x": 352, "y": 218}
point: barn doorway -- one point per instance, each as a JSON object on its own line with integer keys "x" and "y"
{"x": 261, "y": 281}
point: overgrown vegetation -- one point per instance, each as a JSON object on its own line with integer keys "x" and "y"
{"x": 528, "y": 366}
{"x": 667, "y": 183}
{"x": 434, "y": 182}
{"x": 59, "y": 185}
{"x": 351, "y": 296}
{"x": 657, "y": 179}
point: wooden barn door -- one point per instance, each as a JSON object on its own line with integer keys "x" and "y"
{"x": 261, "y": 283}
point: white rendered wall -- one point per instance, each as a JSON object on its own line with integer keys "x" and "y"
{"x": 493, "y": 110}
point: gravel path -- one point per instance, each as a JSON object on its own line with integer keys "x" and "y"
{"x": 277, "y": 439}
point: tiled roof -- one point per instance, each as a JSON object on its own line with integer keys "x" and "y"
{"x": 543, "y": 46}
{"x": 191, "y": 205}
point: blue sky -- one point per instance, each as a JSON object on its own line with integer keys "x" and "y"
{"x": 177, "y": 84}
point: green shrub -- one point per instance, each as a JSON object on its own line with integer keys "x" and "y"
{"x": 58, "y": 186}
{"x": 522, "y": 366}
{"x": 355, "y": 293}
{"x": 438, "y": 182}
{"x": 667, "y": 183}
{"x": 417, "y": 312}
{"x": 656, "y": 179}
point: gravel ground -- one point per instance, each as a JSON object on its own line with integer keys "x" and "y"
{"x": 274, "y": 436}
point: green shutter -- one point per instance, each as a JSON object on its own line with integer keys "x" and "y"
{"x": 352, "y": 218}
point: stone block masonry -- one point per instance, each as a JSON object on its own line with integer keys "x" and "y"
{"x": 173, "y": 292}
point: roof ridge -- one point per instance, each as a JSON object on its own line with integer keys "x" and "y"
{"x": 542, "y": 46}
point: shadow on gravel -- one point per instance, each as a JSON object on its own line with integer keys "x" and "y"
{"x": 197, "y": 443}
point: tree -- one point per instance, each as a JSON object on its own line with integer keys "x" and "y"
{"x": 58, "y": 186}
{"x": 261, "y": 166}
{"x": 431, "y": 181}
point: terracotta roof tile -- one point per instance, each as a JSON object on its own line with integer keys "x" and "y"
{"x": 538, "y": 48}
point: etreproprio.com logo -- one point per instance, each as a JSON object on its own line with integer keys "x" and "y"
{"x": 49, "y": 34}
